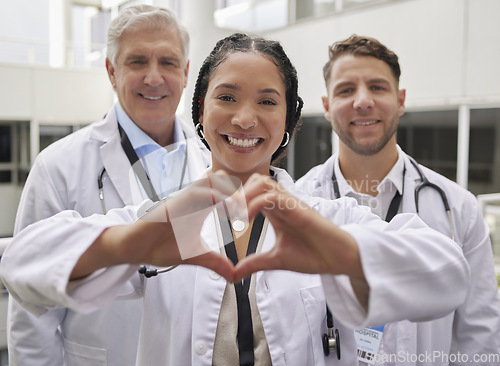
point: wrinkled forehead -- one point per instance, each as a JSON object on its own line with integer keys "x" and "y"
{"x": 143, "y": 35}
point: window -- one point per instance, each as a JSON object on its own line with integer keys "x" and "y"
{"x": 312, "y": 144}
{"x": 14, "y": 152}
{"x": 484, "y": 161}
{"x": 261, "y": 15}
{"x": 431, "y": 138}
{"x": 252, "y": 15}
{"x": 51, "y": 133}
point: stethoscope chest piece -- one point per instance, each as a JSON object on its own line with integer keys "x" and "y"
{"x": 331, "y": 342}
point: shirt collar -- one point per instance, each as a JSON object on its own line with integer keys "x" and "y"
{"x": 393, "y": 179}
{"x": 396, "y": 175}
{"x": 138, "y": 138}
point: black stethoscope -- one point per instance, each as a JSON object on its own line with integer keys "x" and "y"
{"x": 425, "y": 183}
{"x": 394, "y": 206}
{"x": 138, "y": 170}
{"x": 331, "y": 341}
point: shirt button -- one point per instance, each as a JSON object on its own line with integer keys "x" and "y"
{"x": 200, "y": 348}
{"x": 214, "y": 275}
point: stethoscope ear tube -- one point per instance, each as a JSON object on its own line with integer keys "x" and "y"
{"x": 424, "y": 182}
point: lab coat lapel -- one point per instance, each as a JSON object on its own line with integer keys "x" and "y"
{"x": 323, "y": 184}
{"x": 208, "y": 294}
{"x": 411, "y": 181}
{"x": 114, "y": 159}
{"x": 198, "y": 155}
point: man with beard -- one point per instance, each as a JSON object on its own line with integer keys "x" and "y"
{"x": 363, "y": 105}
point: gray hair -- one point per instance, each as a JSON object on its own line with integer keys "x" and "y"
{"x": 138, "y": 15}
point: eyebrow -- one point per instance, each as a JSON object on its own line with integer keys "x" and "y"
{"x": 379, "y": 80}
{"x": 344, "y": 84}
{"x": 270, "y": 90}
{"x": 235, "y": 87}
{"x": 135, "y": 56}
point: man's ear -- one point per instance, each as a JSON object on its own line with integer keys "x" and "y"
{"x": 111, "y": 72}
{"x": 326, "y": 108}
{"x": 401, "y": 101}
{"x": 186, "y": 72}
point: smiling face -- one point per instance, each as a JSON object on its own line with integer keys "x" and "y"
{"x": 363, "y": 104}
{"x": 149, "y": 77}
{"x": 244, "y": 113}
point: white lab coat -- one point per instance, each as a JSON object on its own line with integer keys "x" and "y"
{"x": 474, "y": 328}
{"x": 181, "y": 307}
{"x": 64, "y": 177}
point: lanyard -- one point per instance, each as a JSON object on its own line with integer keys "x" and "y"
{"x": 245, "y": 324}
{"x": 139, "y": 169}
{"x": 395, "y": 203}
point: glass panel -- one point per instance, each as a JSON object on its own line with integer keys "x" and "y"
{"x": 423, "y": 143}
{"x": 431, "y": 138}
{"x": 252, "y": 16}
{"x": 14, "y": 151}
{"x": 25, "y": 36}
{"x": 50, "y": 134}
{"x": 484, "y": 172}
{"x": 5, "y": 176}
{"x": 23, "y": 151}
{"x": 446, "y": 146}
{"x": 313, "y": 144}
{"x": 348, "y": 4}
{"x": 234, "y": 2}
{"x": 482, "y": 140}
{"x": 5, "y": 144}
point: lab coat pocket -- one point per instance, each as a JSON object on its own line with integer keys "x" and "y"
{"x": 313, "y": 299}
{"x": 81, "y": 355}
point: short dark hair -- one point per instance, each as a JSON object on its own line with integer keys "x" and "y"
{"x": 239, "y": 42}
{"x": 362, "y": 46}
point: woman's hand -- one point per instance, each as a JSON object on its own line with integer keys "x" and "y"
{"x": 168, "y": 234}
{"x": 305, "y": 241}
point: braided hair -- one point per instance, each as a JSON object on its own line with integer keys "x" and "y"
{"x": 273, "y": 50}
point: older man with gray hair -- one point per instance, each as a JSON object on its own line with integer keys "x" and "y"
{"x": 139, "y": 150}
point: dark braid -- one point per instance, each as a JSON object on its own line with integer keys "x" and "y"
{"x": 239, "y": 42}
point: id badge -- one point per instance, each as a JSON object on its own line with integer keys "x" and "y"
{"x": 368, "y": 342}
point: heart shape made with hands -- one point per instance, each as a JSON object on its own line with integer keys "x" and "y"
{"x": 186, "y": 212}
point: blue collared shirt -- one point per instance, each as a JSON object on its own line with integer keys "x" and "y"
{"x": 165, "y": 166}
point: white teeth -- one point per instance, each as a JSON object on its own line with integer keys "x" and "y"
{"x": 151, "y": 98}
{"x": 367, "y": 123}
{"x": 243, "y": 143}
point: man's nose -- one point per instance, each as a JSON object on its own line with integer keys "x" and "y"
{"x": 153, "y": 75}
{"x": 363, "y": 99}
